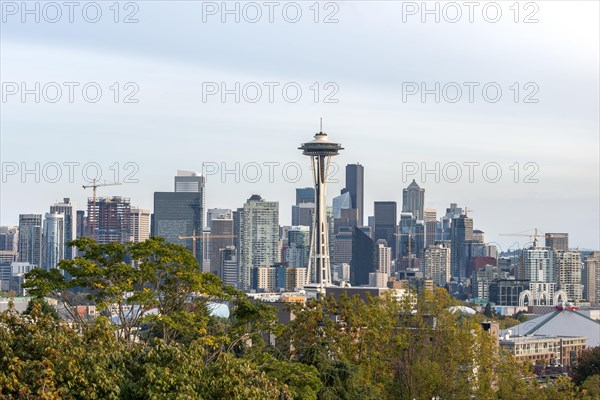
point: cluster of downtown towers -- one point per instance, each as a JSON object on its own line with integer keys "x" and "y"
{"x": 248, "y": 249}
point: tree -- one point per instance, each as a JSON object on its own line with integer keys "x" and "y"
{"x": 488, "y": 311}
{"x": 588, "y": 364}
{"x": 45, "y": 308}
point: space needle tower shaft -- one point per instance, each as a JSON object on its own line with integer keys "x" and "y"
{"x": 320, "y": 150}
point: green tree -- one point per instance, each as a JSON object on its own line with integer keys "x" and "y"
{"x": 488, "y": 311}
{"x": 588, "y": 364}
{"x": 45, "y": 308}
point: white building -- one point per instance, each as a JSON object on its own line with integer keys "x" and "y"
{"x": 53, "y": 240}
{"x": 384, "y": 259}
{"x": 437, "y": 264}
{"x": 537, "y": 265}
{"x": 567, "y": 273}
{"x": 259, "y": 239}
{"x": 140, "y": 224}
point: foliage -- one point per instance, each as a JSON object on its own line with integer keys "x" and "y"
{"x": 345, "y": 348}
{"x": 588, "y": 364}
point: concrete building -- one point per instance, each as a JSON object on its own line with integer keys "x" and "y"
{"x": 67, "y": 208}
{"x": 384, "y": 257}
{"x": 109, "y": 219}
{"x": 436, "y": 263}
{"x": 567, "y": 273}
{"x": 259, "y": 241}
{"x": 592, "y": 269}
{"x": 140, "y": 224}
{"x": 213, "y": 213}
{"x": 378, "y": 279}
{"x": 480, "y": 283}
{"x": 506, "y": 292}
{"x": 264, "y": 279}
{"x": 30, "y": 238}
{"x": 53, "y": 240}
{"x": 545, "y": 350}
{"x": 537, "y": 265}
{"x": 557, "y": 241}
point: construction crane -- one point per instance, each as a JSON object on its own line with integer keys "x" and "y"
{"x": 532, "y": 236}
{"x": 95, "y": 185}
{"x": 195, "y": 237}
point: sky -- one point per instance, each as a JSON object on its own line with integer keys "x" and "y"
{"x": 142, "y": 89}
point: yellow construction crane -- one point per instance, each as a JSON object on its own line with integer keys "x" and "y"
{"x": 94, "y": 186}
{"x": 194, "y": 237}
{"x": 532, "y": 236}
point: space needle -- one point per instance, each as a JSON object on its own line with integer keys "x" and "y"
{"x": 320, "y": 150}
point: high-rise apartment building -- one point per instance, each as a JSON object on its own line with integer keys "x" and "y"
{"x": 567, "y": 273}
{"x": 436, "y": 261}
{"x": 53, "y": 240}
{"x": 537, "y": 265}
{"x": 30, "y": 238}
{"x": 230, "y": 267}
{"x": 557, "y": 241}
{"x": 70, "y": 224}
{"x": 81, "y": 224}
{"x": 413, "y": 200}
{"x": 140, "y": 224}
{"x": 385, "y": 223}
{"x": 110, "y": 218}
{"x": 384, "y": 257}
{"x": 592, "y": 269}
{"x": 259, "y": 236}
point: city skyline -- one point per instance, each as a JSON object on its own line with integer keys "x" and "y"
{"x": 373, "y": 56}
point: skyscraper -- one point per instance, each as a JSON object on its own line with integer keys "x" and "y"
{"x": 9, "y": 244}
{"x": 384, "y": 257}
{"x": 567, "y": 273}
{"x": 298, "y": 247}
{"x": 112, "y": 219}
{"x": 70, "y": 224}
{"x": 259, "y": 237}
{"x": 385, "y": 224}
{"x": 557, "y": 241}
{"x": 53, "y": 239}
{"x": 460, "y": 231}
{"x": 413, "y": 200}
{"x": 592, "y": 269}
{"x": 305, "y": 195}
{"x": 364, "y": 257}
{"x": 437, "y": 264}
{"x": 30, "y": 238}
{"x": 221, "y": 237}
{"x": 431, "y": 226}
{"x": 213, "y": 213}
{"x": 537, "y": 265}
{"x": 81, "y": 229}
{"x": 140, "y": 224}
{"x": 181, "y": 213}
{"x": 355, "y": 184}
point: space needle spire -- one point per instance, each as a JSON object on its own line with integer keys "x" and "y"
{"x": 320, "y": 150}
